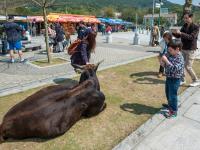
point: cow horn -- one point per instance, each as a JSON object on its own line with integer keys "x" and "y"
{"x": 97, "y": 64}
{"x": 77, "y": 66}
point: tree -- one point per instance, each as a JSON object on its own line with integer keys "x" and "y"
{"x": 128, "y": 14}
{"x": 8, "y": 4}
{"x": 44, "y": 4}
{"x": 109, "y": 12}
{"x": 187, "y": 6}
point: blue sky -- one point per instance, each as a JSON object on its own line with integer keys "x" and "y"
{"x": 195, "y": 2}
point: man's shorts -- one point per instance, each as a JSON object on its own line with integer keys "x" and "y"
{"x": 15, "y": 45}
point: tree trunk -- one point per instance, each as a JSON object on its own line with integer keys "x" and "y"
{"x": 187, "y": 7}
{"x": 46, "y": 34}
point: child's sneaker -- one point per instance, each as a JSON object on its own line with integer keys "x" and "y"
{"x": 170, "y": 114}
{"x": 183, "y": 83}
{"x": 22, "y": 60}
{"x": 165, "y": 105}
{"x": 160, "y": 75}
{"x": 12, "y": 61}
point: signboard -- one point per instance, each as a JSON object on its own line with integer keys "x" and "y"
{"x": 164, "y": 11}
{"x": 157, "y": 5}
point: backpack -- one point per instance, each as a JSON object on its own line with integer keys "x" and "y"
{"x": 73, "y": 47}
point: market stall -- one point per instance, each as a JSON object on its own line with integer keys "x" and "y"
{"x": 36, "y": 24}
{"x": 69, "y": 21}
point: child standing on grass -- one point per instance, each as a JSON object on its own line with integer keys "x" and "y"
{"x": 174, "y": 69}
{"x": 167, "y": 37}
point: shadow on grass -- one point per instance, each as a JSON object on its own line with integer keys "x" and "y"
{"x": 139, "y": 109}
{"x": 146, "y": 78}
{"x": 36, "y": 140}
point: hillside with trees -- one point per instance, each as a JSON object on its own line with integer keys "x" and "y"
{"x": 103, "y": 8}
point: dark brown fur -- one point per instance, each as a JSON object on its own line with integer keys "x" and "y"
{"x": 51, "y": 111}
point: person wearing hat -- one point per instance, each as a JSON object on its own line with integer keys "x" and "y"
{"x": 13, "y": 32}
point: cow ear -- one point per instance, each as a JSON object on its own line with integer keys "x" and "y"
{"x": 79, "y": 71}
{"x": 84, "y": 106}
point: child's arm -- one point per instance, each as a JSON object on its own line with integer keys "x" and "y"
{"x": 165, "y": 60}
{"x": 175, "y": 66}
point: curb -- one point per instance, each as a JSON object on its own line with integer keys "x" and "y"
{"x": 42, "y": 82}
{"x": 130, "y": 142}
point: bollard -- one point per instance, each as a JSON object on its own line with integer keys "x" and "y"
{"x": 109, "y": 37}
{"x": 150, "y": 42}
{"x": 139, "y": 31}
{"x": 136, "y": 39}
{"x": 28, "y": 36}
{"x": 147, "y": 31}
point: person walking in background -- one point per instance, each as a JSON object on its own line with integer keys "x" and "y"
{"x": 155, "y": 35}
{"x": 59, "y": 38}
{"x": 189, "y": 35}
{"x": 82, "y": 31}
{"x": 14, "y": 35}
{"x": 173, "y": 62}
{"x": 52, "y": 35}
{"x": 108, "y": 29}
{"x": 167, "y": 37}
{"x": 84, "y": 50}
{"x": 103, "y": 29}
{"x": 162, "y": 31}
{"x": 67, "y": 40}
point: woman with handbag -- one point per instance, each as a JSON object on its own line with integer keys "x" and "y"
{"x": 83, "y": 51}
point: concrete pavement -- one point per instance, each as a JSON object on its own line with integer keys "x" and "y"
{"x": 180, "y": 133}
{"x": 21, "y": 76}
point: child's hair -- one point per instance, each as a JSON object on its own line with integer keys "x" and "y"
{"x": 175, "y": 43}
{"x": 168, "y": 35}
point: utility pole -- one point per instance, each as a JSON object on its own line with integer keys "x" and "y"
{"x": 136, "y": 20}
{"x": 5, "y": 7}
{"x": 152, "y": 24}
{"x": 136, "y": 39}
{"x": 159, "y": 12}
{"x": 153, "y": 13}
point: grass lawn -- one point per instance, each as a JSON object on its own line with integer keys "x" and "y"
{"x": 133, "y": 95}
{"x": 44, "y": 62}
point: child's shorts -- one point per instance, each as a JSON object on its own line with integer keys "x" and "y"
{"x": 15, "y": 45}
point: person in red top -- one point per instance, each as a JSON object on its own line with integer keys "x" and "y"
{"x": 108, "y": 29}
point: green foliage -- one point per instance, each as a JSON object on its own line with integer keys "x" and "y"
{"x": 109, "y": 12}
{"x": 107, "y": 8}
{"x": 23, "y": 11}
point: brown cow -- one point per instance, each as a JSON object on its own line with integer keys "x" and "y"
{"x": 51, "y": 111}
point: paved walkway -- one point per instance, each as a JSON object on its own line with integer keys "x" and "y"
{"x": 180, "y": 133}
{"x": 18, "y": 76}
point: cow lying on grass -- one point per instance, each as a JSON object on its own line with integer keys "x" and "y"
{"x": 51, "y": 111}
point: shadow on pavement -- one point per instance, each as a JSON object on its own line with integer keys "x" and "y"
{"x": 66, "y": 82}
{"x": 139, "y": 109}
{"x": 148, "y": 77}
{"x": 153, "y": 51}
